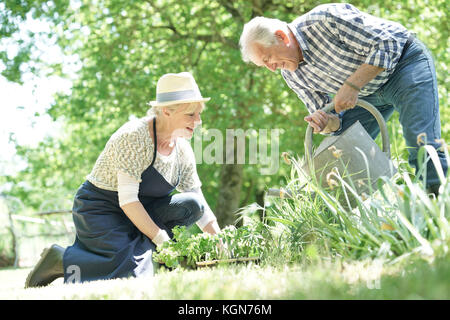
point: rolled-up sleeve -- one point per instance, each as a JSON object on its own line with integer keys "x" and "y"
{"x": 383, "y": 55}
{"x": 208, "y": 217}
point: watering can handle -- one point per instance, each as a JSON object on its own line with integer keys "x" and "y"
{"x": 361, "y": 103}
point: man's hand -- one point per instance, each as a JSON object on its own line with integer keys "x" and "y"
{"x": 345, "y": 98}
{"x": 347, "y": 95}
{"x": 323, "y": 122}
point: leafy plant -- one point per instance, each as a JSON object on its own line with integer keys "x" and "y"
{"x": 186, "y": 249}
{"x": 394, "y": 222}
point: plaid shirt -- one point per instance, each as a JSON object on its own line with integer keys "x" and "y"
{"x": 335, "y": 40}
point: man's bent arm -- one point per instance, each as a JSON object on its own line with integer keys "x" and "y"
{"x": 347, "y": 96}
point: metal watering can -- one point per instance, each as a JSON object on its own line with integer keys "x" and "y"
{"x": 358, "y": 159}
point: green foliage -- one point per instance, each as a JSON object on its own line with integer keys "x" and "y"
{"x": 12, "y": 14}
{"x": 186, "y": 249}
{"x": 395, "y": 221}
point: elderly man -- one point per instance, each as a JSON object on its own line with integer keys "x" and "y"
{"x": 335, "y": 49}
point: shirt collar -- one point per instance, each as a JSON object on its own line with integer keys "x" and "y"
{"x": 298, "y": 34}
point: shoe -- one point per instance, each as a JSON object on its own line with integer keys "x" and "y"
{"x": 434, "y": 190}
{"x": 48, "y": 268}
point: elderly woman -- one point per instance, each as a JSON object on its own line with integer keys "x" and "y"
{"x": 125, "y": 208}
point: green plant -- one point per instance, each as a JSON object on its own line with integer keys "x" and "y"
{"x": 397, "y": 220}
{"x": 187, "y": 249}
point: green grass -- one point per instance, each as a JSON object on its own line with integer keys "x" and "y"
{"x": 394, "y": 245}
{"x": 416, "y": 279}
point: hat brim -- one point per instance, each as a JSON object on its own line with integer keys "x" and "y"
{"x": 169, "y": 103}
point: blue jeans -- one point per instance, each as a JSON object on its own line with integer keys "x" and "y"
{"x": 412, "y": 92}
{"x": 181, "y": 209}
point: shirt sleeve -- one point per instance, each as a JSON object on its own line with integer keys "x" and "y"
{"x": 207, "y": 218}
{"x": 313, "y": 100}
{"x": 366, "y": 35}
{"x": 189, "y": 179}
{"x": 127, "y": 188}
{"x": 129, "y": 153}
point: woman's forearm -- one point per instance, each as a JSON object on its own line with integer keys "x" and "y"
{"x": 136, "y": 212}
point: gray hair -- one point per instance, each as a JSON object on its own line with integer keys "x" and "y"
{"x": 259, "y": 30}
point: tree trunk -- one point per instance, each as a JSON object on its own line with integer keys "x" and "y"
{"x": 229, "y": 193}
{"x": 14, "y": 240}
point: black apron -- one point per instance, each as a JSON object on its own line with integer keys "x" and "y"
{"x": 107, "y": 244}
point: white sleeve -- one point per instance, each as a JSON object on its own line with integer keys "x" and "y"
{"x": 207, "y": 217}
{"x": 127, "y": 188}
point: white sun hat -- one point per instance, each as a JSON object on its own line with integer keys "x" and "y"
{"x": 175, "y": 88}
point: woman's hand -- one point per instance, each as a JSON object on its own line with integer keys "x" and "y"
{"x": 213, "y": 228}
{"x": 160, "y": 237}
{"x": 323, "y": 122}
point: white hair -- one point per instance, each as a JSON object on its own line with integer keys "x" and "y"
{"x": 260, "y": 30}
